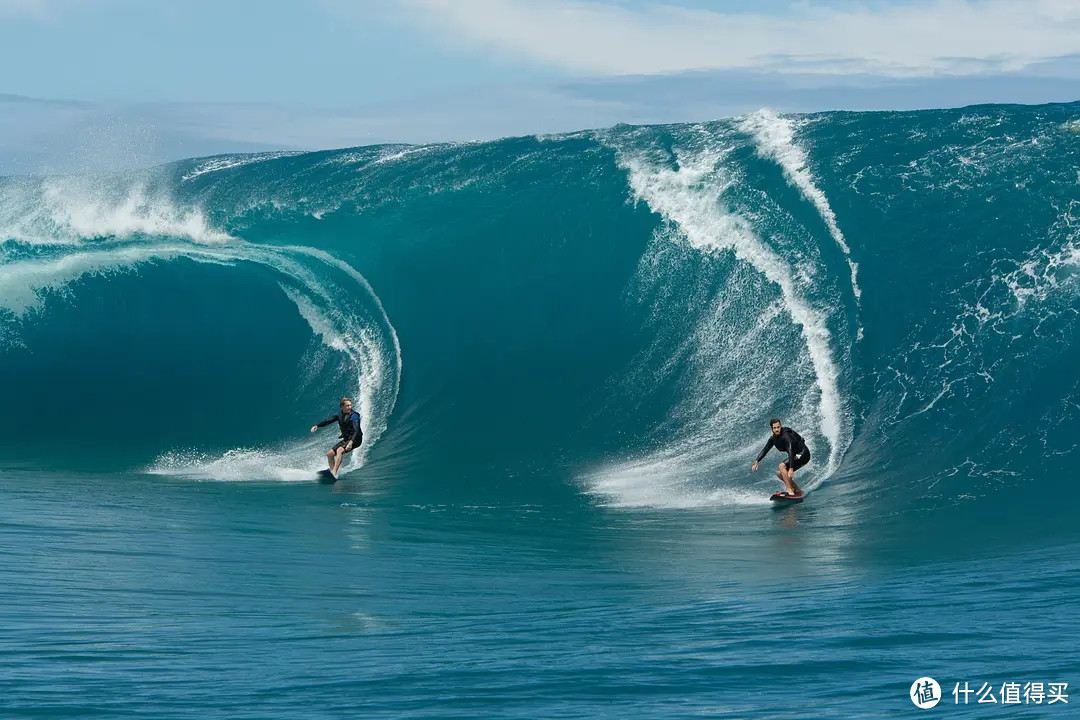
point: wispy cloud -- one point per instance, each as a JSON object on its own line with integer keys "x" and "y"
{"x": 919, "y": 38}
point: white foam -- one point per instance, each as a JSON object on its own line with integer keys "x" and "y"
{"x": 393, "y": 155}
{"x": 658, "y": 484}
{"x": 775, "y": 136}
{"x": 228, "y": 162}
{"x": 319, "y": 323}
{"x": 65, "y": 211}
{"x": 237, "y": 465}
{"x": 1041, "y": 274}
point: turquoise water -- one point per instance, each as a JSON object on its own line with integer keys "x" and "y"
{"x": 565, "y": 351}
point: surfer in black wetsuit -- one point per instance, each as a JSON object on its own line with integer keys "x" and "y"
{"x": 786, "y": 440}
{"x": 351, "y": 434}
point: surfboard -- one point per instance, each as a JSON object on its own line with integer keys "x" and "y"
{"x": 782, "y": 498}
{"x": 325, "y": 476}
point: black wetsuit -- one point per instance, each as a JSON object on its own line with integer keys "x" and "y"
{"x": 790, "y": 442}
{"x": 350, "y": 429}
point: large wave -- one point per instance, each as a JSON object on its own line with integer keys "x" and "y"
{"x": 622, "y": 310}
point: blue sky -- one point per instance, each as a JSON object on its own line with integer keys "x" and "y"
{"x": 285, "y": 51}
{"x": 321, "y": 73}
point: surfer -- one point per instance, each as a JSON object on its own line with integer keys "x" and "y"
{"x": 786, "y": 440}
{"x": 351, "y": 434}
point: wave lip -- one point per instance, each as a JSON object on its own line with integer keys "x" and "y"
{"x": 71, "y": 210}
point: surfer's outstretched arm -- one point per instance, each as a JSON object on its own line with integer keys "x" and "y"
{"x": 324, "y": 423}
{"x": 764, "y": 452}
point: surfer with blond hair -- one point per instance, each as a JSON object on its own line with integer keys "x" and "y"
{"x": 351, "y": 434}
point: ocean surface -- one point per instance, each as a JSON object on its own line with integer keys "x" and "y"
{"x": 565, "y": 351}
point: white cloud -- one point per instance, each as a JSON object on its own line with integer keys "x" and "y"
{"x": 924, "y": 37}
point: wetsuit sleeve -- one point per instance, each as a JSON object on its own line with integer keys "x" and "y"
{"x": 357, "y": 433}
{"x": 765, "y": 451}
{"x": 327, "y": 421}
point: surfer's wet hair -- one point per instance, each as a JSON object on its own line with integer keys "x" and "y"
{"x": 775, "y": 421}
{"x": 345, "y": 400}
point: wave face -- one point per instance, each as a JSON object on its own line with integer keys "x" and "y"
{"x": 622, "y": 309}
